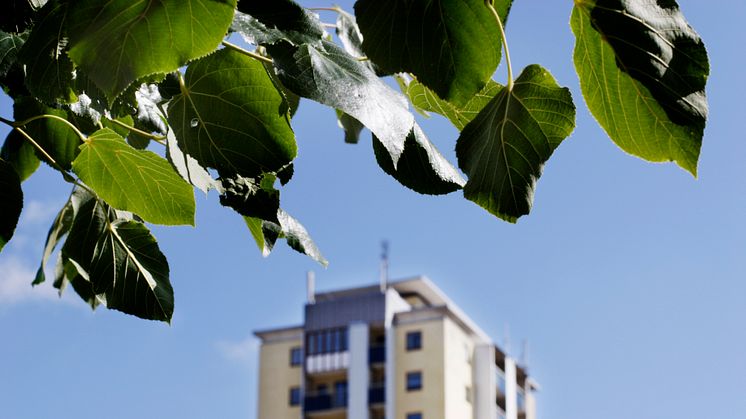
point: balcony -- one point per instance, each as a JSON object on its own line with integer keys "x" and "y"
{"x": 320, "y": 402}
{"x": 377, "y": 354}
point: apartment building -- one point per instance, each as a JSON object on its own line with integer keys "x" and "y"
{"x": 397, "y": 350}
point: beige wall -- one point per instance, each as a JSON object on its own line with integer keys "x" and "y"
{"x": 459, "y": 350}
{"x": 430, "y": 399}
{"x": 276, "y": 377}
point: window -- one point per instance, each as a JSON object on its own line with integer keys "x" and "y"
{"x": 296, "y": 356}
{"x": 294, "y": 396}
{"x": 417, "y": 415}
{"x": 468, "y": 394}
{"x": 414, "y": 340}
{"x": 414, "y": 380}
{"x": 311, "y": 344}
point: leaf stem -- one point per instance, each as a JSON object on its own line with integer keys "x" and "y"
{"x": 157, "y": 138}
{"x": 490, "y": 5}
{"x": 48, "y": 116}
{"x": 324, "y": 9}
{"x": 41, "y": 150}
{"x": 247, "y": 52}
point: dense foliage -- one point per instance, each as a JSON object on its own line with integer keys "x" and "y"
{"x": 136, "y": 103}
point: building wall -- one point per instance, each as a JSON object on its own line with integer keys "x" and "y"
{"x": 276, "y": 377}
{"x": 430, "y": 400}
{"x": 459, "y": 351}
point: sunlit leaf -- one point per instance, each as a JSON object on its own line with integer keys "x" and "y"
{"x": 187, "y": 167}
{"x": 334, "y": 78}
{"x": 133, "y": 180}
{"x": 504, "y": 148}
{"x": 267, "y": 22}
{"x": 643, "y": 71}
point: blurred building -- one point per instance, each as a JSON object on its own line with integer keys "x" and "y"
{"x": 398, "y": 350}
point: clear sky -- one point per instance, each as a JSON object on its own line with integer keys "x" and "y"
{"x": 628, "y": 279}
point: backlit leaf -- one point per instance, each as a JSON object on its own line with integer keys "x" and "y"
{"x": 20, "y": 154}
{"x": 504, "y": 148}
{"x": 117, "y": 42}
{"x": 424, "y": 98}
{"x": 231, "y": 117}
{"x": 643, "y": 71}
{"x": 452, "y": 46}
{"x": 134, "y": 180}
{"x": 54, "y": 136}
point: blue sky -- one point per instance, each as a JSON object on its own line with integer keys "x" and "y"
{"x": 628, "y": 279}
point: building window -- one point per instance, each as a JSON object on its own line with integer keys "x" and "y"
{"x": 294, "y": 396}
{"x": 327, "y": 341}
{"x": 414, "y": 380}
{"x": 296, "y": 356}
{"x": 414, "y": 340}
{"x": 468, "y": 394}
{"x": 417, "y": 415}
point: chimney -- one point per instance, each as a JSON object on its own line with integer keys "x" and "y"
{"x": 311, "y": 287}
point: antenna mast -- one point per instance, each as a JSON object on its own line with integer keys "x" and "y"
{"x": 384, "y": 265}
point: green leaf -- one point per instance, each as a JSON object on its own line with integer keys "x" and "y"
{"x": 129, "y": 268}
{"x": 424, "y": 98}
{"x": 119, "y": 258}
{"x": 351, "y": 127}
{"x": 20, "y": 154}
{"x": 267, "y": 22}
{"x": 332, "y": 77}
{"x": 133, "y": 180}
{"x": 188, "y": 168}
{"x": 643, "y": 71}
{"x": 54, "y": 136}
{"x": 504, "y": 148}
{"x": 266, "y": 233}
{"x": 119, "y": 41}
{"x": 421, "y": 167}
{"x": 49, "y": 71}
{"x": 251, "y": 197}
{"x": 298, "y": 238}
{"x": 349, "y": 33}
{"x": 10, "y": 44}
{"x": 81, "y": 283}
{"x": 11, "y": 202}
{"x": 60, "y": 227}
{"x": 18, "y": 14}
{"x": 231, "y": 117}
{"x": 452, "y": 46}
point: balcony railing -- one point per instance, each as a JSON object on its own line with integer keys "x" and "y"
{"x": 377, "y": 354}
{"x": 326, "y": 401}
